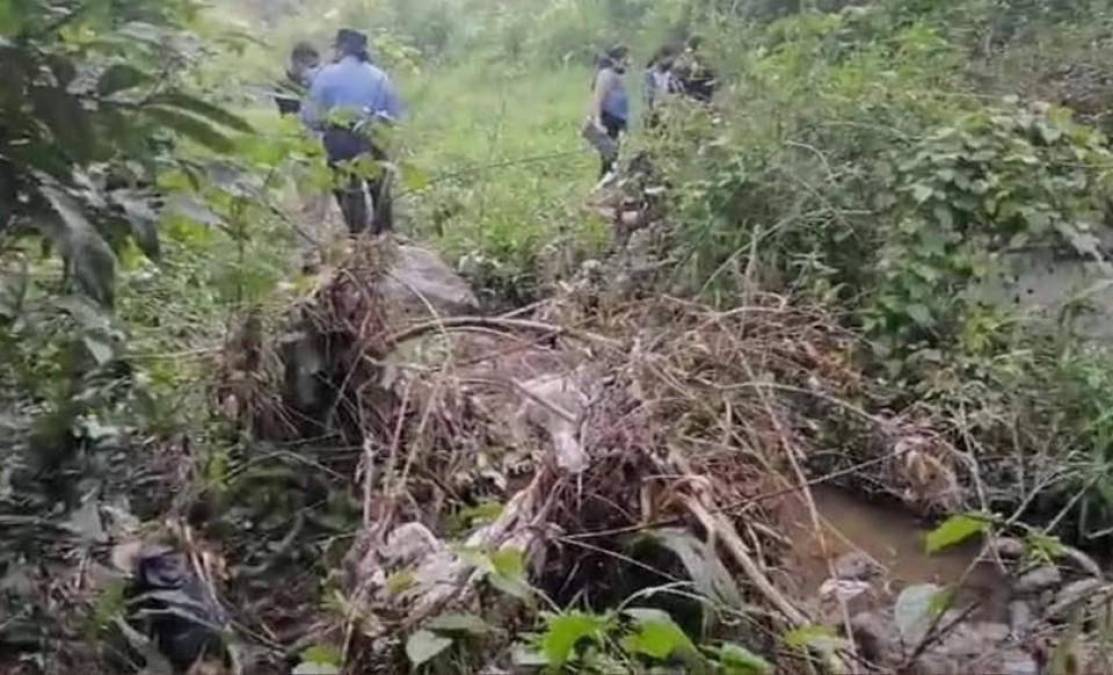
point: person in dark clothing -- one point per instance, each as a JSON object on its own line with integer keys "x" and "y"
{"x": 305, "y": 61}
{"x": 697, "y": 80}
{"x": 347, "y": 101}
{"x": 610, "y": 103}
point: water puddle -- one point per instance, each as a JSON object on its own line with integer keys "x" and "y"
{"x": 894, "y": 539}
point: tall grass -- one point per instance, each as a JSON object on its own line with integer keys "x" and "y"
{"x": 506, "y": 169}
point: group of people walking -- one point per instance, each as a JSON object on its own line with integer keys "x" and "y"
{"x": 673, "y": 70}
{"x": 348, "y": 103}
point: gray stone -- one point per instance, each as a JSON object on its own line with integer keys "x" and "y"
{"x": 1071, "y": 596}
{"x": 856, "y": 566}
{"x": 1008, "y": 548}
{"x": 1083, "y": 563}
{"x": 876, "y": 635}
{"x": 1017, "y": 662}
{"x": 423, "y": 285}
{"x": 1039, "y": 580}
{"x": 1021, "y": 617}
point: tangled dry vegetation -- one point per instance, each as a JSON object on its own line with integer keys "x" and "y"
{"x": 406, "y": 461}
{"x": 589, "y": 422}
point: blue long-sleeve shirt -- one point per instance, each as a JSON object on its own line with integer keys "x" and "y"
{"x": 351, "y": 85}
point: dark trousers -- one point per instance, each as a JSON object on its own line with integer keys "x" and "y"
{"x": 343, "y": 145}
{"x": 615, "y": 126}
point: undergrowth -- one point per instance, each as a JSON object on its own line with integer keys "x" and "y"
{"x": 506, "y": 174}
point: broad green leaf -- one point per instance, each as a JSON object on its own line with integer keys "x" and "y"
{"x": 915, "y": 611}
{"x": 313, "y": 668}
{"x": 191, "y": 127}
{"x": 424, "y": 646}
{"x": 657, "y": 635}
{"x": 508, "y": 573}
{"x": 195, "y": 210}
{"x": 481, "y": 514}
{"x": 461, "y": 623}
{"x": 101, "y": 351}
{"x": 509, "y": 562}
{"x": 89, "y": 257}
{"x": 120, "y": 77}
{"x": 954, "y": 531}
{"x": 565, "y": 631}
{"x": 704, "y": 566}
{"x": 944, "y": 216}
{"x": 820, "y": 638}
{"x": 920, "y": 314}
{"x": 69, "y": 122}
{"x": 320, "y": 660}
{"x": 323, "y": 654}
{"x": 401, "y": 581}
{"x": 142, "y": 221}
{"x": 737, "y": 660}
{"x": 213, "y": 113}
{"x": 921, "y": 192}
{"x": 145, "y": 32}
{"x": 1043, "y": 547}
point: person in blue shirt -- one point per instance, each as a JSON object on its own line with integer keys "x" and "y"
{"x": 347, "y": 100}
{"x": 610, "y": 102}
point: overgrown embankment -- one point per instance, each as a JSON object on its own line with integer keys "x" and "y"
{"x": 802, "y": 288}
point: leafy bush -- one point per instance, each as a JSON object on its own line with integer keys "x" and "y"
{"x": 998, "y": 180}
{"x": 88, "y": 99}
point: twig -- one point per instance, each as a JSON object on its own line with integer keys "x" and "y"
{"x": 721, "y": 529}
{"x": 740, "y": 505}
{"x": 280, "y": 551}
{"x": 506, "y": 324}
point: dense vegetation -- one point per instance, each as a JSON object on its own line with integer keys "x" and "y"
{"x": 886, "y": 160}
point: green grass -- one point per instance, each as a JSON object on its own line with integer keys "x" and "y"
{"x": 508, "y": 171}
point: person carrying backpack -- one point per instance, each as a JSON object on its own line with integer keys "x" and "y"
{"x": 348, "y": 99}
{"x": 609, "y": 113}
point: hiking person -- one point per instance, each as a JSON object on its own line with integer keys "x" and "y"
{"x": 660, "y": 82}
{"x": 610, "y": 104}
{"x": 313, "y": 228}
{"x": 348, "y": 100}
{"x": 697, "y": 80}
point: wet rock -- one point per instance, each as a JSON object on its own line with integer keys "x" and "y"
{"x": 964, "y": 645}
{"x": 1083, "y": 563}
{"x": 1021, "y": 617}
{"x": 1039, "y": 580}
{"x": 967, "y": 647}
{"x": 422, "y": 284}
{"x": 857, "y": 596}
{"x": 410, "y": 543}
{"x": 556, "y": 404}
{"x": 1007, "y": 548}
{"x": 1017, "y": 662}
{"x": 856, "y": 566}
{"x": 1071, "y": 595}
{"x": 876, "y": 635}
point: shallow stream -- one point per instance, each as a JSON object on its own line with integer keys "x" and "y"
{"x": 894, "y": 539}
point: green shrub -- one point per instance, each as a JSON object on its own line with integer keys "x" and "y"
{"x": 998, "y": 180}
